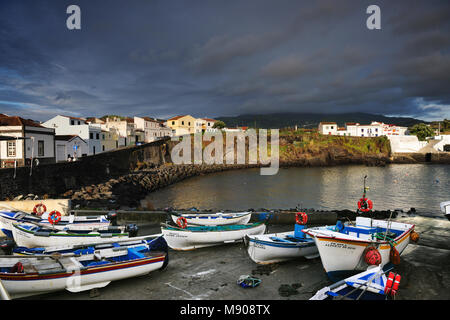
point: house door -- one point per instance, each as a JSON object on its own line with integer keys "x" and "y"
{"x": 60, "y": 153}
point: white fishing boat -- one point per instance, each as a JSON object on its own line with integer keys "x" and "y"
{"x": 193, "y": 237}
{"x": 32, "y": 236}
{"x": 212, "y": 219}
{"x": 278, "y": 247}
{"x": 445, "y": 208}
{"x": 8, "y": 217}
{"x": 80, "y": 269}
{"x": 371, "y": 284}
{"x": 347, "y": 249}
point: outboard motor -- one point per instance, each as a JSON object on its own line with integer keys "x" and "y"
{"x": 112, "y": 217}
{"x": 7, "y": 246}
{"x": 132, "y": 229}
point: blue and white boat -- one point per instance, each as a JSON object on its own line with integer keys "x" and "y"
{"x": 278, "y": 247}
{"x": 346, "y": 249}
{"x": 371, "y": 284}
{"x": 8, "y": 217}
{"x": 193, "y": 237}
{"x": 40, "y": 270}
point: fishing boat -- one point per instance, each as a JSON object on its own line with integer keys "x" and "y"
{"x": 278, "y": 247}
{"x": 346, "y": 248}
{"x": 212, "y": 219}
{"x": 8, "y": 217}
{"x": 33, "y": 236}
{"x": 82, "y": 268}
{"x": 372, "y": 284}
{"x": 445, "y": 208}
{"x": 193, "y": 237}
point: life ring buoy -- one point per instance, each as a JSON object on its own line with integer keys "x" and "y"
{"x": 372, "y": 256}
{"x": 37, "y": 209}
{"x": 365, "y": 204}
{"x": 301, "y": 218}
{"x": 54, "y": 217}
{"x": 182, "y": 222}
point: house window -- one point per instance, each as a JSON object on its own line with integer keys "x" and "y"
{"x": 91, "y": 135}
{"x": 40, "y": 148}
{"x": 79, "y": 122}
{"x": 189, "y": 124}
{"x": 103, "y": 147}
{"x": 330, "y": 127}
{"x": 173, "y": 122}
{"x": 72, "y": 122}
{"x": 97, "y": 136}
{"x": 209, "y": 125}
{"x": 11, "y": 148}
{"x": 182, "y": 123}
{"x": 103, "y": 136}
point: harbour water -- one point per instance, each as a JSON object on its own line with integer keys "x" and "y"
{"x": 397, "y": 186}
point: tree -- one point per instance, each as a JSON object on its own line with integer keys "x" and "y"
{"x": 219, "y": 124}
{"x": 422, "y": 131}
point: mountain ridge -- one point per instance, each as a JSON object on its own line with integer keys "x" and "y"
{"x": 312, "y": 120}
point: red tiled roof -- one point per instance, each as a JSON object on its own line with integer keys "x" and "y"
{"x": 327, "y": 122}
{"x": 208, "y": 119}
{"x": 177, "y": 117}
{"x": 17, "y": 121}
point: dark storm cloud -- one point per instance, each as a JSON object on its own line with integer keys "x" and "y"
{"x": 213, "y": 58}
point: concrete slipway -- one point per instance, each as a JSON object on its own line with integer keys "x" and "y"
{"x": 211, "y": 273}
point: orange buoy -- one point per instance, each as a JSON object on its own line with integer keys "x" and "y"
{"x": 39, "y": 209}
{"x": 54, "y": 217}
{"x": 301, "y": 218}
{"x": 182, "y": 222}
{"x": 395, "y": 285}
{"x": 372, "y": 256}
{"x": 389, "y": 283}
{"x": 414, "y": 236}
{"x": 365, "y": 204}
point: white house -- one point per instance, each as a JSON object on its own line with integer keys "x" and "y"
{"x": 125, "y": 127}
{"x": 89, "y": 132}
{"x": 70, "y": 147}
{"x": 23, "y": 141}
{"x": 328, "y": 128}
{"x": 153, "y": 129}
{"x": 375, "y": 129}
{"x": 204, "y": 125}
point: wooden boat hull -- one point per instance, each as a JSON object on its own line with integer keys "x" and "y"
{"x": 214, "y": 219}
{"x": 342, "y": 255}
{"x": 264, "y": 250}
{"x": 26, "y": 238}
{"x": 188, "y": 239}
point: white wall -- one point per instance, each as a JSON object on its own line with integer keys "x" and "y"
{"x": 445, "y": 139}
{"x": 406, "y": 143}
{"x": 62, "y": 126}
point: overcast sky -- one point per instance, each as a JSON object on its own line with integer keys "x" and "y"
{"x": 224, "y": 58}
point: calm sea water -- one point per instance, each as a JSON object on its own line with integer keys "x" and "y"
{"x": 392, "y": 187}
